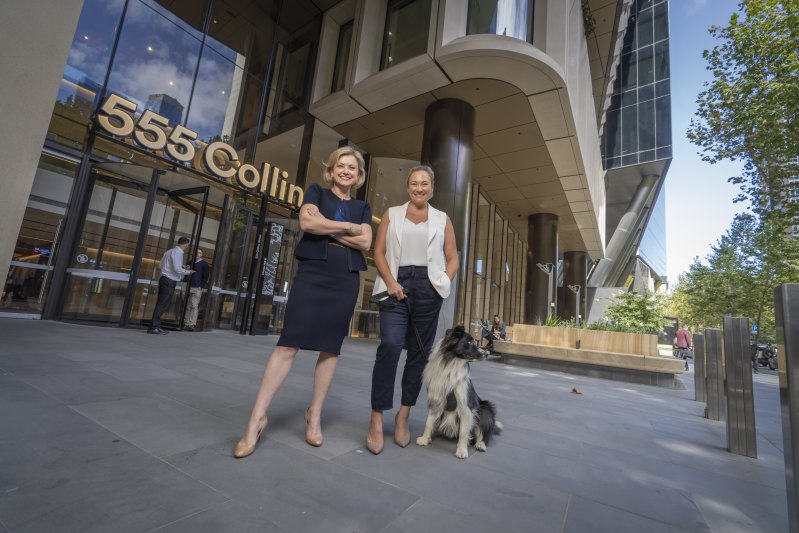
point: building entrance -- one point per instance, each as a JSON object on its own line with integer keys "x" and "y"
{"x": 133, "y": 215}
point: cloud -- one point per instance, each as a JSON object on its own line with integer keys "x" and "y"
{"x": 697, "y": 5}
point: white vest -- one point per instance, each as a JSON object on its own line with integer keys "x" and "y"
{"x": 436, "y": 260}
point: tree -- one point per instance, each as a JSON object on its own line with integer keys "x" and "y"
{"x": 743, "y": 268}
{"x": 638, "y": 312}
{"x": 750, "y": 110}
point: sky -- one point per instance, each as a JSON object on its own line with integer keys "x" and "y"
{"x": 699, "y": 201}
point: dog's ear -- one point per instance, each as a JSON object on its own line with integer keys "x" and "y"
{"x": 459, "y": 330}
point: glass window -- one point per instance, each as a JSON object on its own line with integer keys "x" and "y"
{"x": 155, "y": 62}
{"x": 481, "y": 222}
{"x": 662, "y": 60}
{"x": 661, "y": 22}
{"x": 407, "y": 26}
{"x": 37, "y": 243}
{"x": 242, "y": 31}
{"x": 645, "y": 31}
{"x": 342, "y": 56}
{"x": 646, "y": 66}
{"x": 188, "y": 16}
{"x": 646, "y": 121}
{"x": 215, "y": 109}
{"x": 512, "y": 18}
{"x": 629, "y": 71}
{"x": 663, "y": 118}
{"x": 629, "y": 134}
{"x": 84, "y": 73}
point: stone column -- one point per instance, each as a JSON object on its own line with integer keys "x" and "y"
{"x": 542, "y": 266}
{"x": 447, "y": 148}
{"x": 36, "y": 37}
{"x": 574, "y": 280}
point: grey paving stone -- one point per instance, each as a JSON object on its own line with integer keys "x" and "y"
{"x": 586, "y": 515}
{"x": 110, "y": 429}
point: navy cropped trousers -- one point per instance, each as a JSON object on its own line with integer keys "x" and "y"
{"x": 420, "y": 308}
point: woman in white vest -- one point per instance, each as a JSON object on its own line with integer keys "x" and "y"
{"x": 416, "y": 259}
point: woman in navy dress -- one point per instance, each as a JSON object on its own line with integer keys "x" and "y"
{"x": 337, "y": 230}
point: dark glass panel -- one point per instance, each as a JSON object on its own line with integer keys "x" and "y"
{"x": 629, "y": 71}
{"x": 615, "y": 101}
{"x": 664, "y": 153}
{"x": 629, "y": 126}
{"x": 662, "y": 88}
{"x": 629, "y": 159}
{"x": 646, "y": 155}
{"x": 629, "y": 98}
{"x": 646, "y": 121}
{"x": 342, "y": 56}
{"x": 646, "y": 93}
{"x": 613, "y": 133}
{"x": 630, "y": 43}
{"x": 155, "y": 63}
{"x": 85, "y": 70}
{"x": 189, "y": 15}
{"x": 646, "y": 66}
{"x": 644, "y": 29}
{"x": 662, "y": 60}
{"x": 613, "y": 162}
{"x": 243, "y": 31}
{"x": 405, "y": 36}
{"x": 661, "y": 22}
{"x": 663, "y": 118}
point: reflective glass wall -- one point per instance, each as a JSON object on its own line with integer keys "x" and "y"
{"x": 638, "y": 122}
{"x": 511, "y": 18}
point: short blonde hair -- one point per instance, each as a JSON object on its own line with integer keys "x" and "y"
{"x": 338, "y": 154}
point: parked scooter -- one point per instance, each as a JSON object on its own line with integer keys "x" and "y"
{"x": 764, "y": 355}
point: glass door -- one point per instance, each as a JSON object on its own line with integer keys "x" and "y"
{"x": 236, "y": 278}
{"x": 175, "y": 214}
{"x": 101, "y": 266}
{"x": 133, "y": 215}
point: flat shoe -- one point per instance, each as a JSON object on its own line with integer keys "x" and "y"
{"x": 242, "y": 450}
{"x": 313, "y": 440}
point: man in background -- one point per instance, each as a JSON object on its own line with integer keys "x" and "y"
{"x": 196, "y": 283}
{"x": 683, "y": 344}
{"x": 172, "y": 271}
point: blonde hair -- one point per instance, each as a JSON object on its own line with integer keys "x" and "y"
{"x": 422, "y": 168}
{"x": 338, "y": 154}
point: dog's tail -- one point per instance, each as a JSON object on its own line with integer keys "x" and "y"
{"x": 488, "y": 419}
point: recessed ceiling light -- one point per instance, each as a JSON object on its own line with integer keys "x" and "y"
{"x": 149, "y": 48}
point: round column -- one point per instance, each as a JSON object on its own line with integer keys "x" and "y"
{"x": 542, "y": 266}
{"x": 447, "y": 147}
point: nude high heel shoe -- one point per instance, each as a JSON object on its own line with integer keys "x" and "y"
{"x": 242, "y": 449}
{"x": 312, "y": 439}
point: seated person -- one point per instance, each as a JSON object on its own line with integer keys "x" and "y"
{"x": 494, "y": 332}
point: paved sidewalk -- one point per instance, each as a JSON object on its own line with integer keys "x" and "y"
{"x": 106, "y": 429}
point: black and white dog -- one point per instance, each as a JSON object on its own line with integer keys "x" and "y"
{"x": 454, "y": 408}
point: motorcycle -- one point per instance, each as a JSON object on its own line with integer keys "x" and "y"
{"x": 764, "y": 355}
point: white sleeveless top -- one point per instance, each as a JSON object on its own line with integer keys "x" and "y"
{"x": 413, "y": 251}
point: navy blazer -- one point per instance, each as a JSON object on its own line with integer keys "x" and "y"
{"x": 313, "y": 246}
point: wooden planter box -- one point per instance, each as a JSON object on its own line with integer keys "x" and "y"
{"x": 586, "y": 339}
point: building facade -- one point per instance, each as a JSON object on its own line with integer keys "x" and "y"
{"x": 207, "y": 119}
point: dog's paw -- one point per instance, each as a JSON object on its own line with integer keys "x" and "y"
{"x": 462, "y": 453}
{"x": 423, "y": 441}
{"x": 480, "y": 446}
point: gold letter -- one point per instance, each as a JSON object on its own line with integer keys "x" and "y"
{"x": 242, "y": 176}
{"x": 265, "y": 176}
{"x": 295, "y": 195}
{"x": 210, "y": 156}
{"x": 273, "y": 188}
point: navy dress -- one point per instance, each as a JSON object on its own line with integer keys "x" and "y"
{"x": 327, "y": 282}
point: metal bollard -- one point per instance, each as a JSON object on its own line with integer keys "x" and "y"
{"x": 715, "y": 374}
{"x": 786, "y": 307}
{"x": 741, "y": 436}
{"x": 700, "y": 387}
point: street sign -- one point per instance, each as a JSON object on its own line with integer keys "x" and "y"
{"x": 754, "y": 329}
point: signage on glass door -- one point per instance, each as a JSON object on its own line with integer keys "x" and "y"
{"x": 117, "y": 116}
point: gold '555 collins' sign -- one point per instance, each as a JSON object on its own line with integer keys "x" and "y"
{"x": 117, "y": 116}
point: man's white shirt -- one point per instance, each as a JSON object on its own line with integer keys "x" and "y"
{"x": 172, "y": 264}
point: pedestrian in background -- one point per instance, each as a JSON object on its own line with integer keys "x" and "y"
{"x": 197, "y": 282}
{"x": 172, "y": 271}
{"x": 683, "y": 344}
{"x": 337, "y": 230}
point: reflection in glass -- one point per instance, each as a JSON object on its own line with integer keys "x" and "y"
{"x": 342, "y": 56}
{"x": 37, "y": 243}
{"x": 512, "y": 18}
{"x": 405, "y": 36}
{"x": 242, "y": 32}
{"x": 481, "y": 222}
{"x": 216, "y": 95}
{"x": 85, "y": 70}
{"x": 155, "y": 62}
